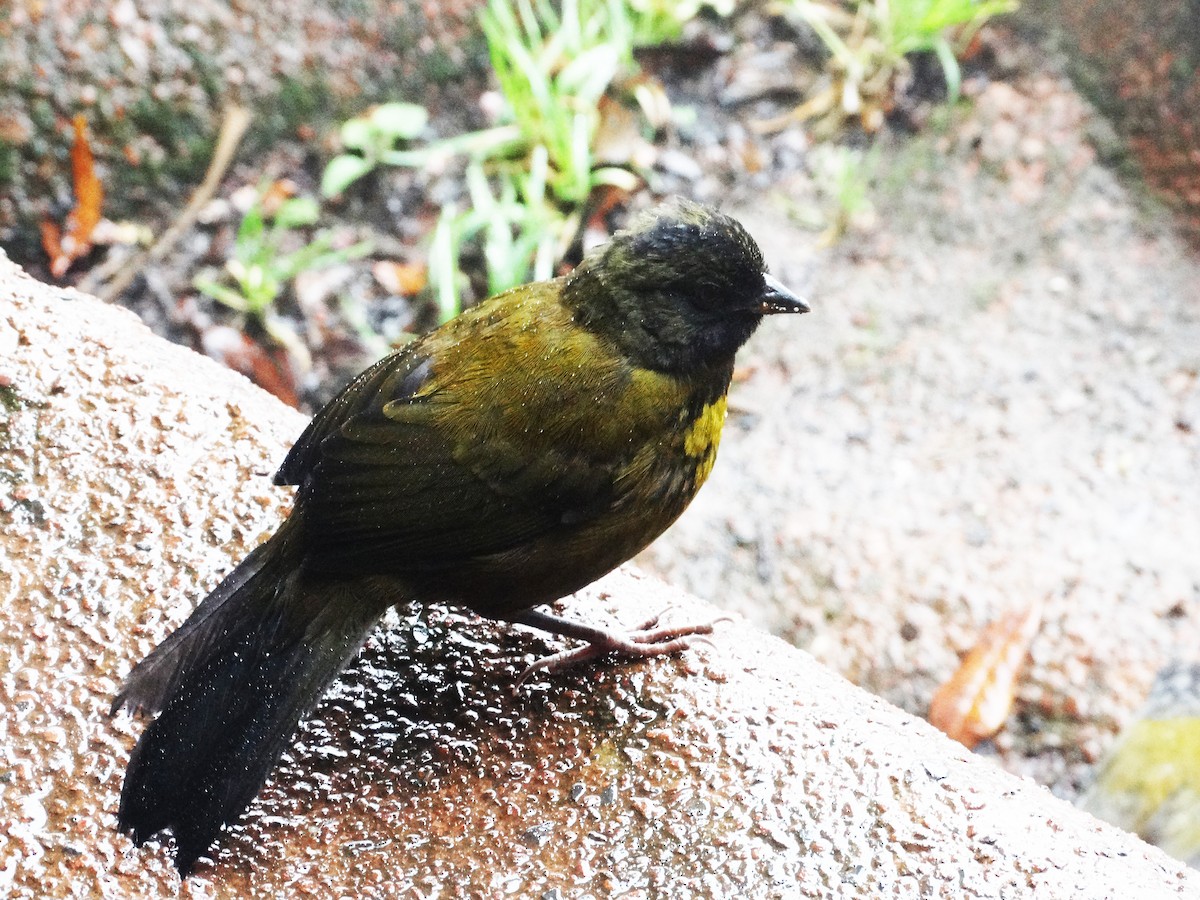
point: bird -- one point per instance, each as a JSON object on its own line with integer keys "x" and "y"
{"x": 503, "y": 461}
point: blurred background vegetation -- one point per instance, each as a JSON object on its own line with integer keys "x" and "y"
{"x": 294, "y": 192}
{"x": 293, "y": 189}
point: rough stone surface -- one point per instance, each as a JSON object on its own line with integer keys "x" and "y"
{"x": 133, "y": 472}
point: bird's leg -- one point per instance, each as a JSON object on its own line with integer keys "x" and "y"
{"x": 648, "y": 639}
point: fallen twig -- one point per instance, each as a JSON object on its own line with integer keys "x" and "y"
{"x": 234, "y": 125}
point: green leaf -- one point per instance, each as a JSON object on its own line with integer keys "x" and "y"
{"x": 252, "y": 226}
{"x": 356, "y": 133}
{"x": 399, "y": 120}
{"x": 589, "y": 74}
{"x": 297, "y": 211}
{"x": 443, "y": 267}
{"x": 220, "y": 293}
{"x": 539, "y": 169}
{"x": 343, "y": 170}
{"x": 950, "y": 68}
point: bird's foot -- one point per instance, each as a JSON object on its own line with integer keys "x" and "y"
{"x": 648, "y": 639}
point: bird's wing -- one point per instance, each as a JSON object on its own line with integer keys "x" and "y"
{"x": 388, "y": 374}
{"x": 430, "y": 460}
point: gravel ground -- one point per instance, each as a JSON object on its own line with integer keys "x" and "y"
{"x": 152, "y": 81}
{"x": 994, "y": 403}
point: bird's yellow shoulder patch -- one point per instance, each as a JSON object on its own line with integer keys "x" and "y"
{"x": 702, "y": 436}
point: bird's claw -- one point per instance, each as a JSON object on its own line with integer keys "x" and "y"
{"x": 648, "y": 639}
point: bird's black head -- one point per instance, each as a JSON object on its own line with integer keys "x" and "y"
{"x": 680, "y": 290}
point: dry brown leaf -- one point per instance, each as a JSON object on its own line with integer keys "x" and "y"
{"x": 604, "y": 200}
{"x": 975, "y": 702}
{"x": 64, "y": 248}
{"x": 277, "y": 193}
{"x": 51, "y": 241}
{"x": 268, "y": 368}
{"x": 619, "y": 140}
{"x": 405, "y": 279}
{"x": 89, "y": 192}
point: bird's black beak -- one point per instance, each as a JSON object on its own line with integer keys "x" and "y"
{"x": 778, "y": 299}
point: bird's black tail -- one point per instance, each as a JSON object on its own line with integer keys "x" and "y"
{"x": 230, "y": 685}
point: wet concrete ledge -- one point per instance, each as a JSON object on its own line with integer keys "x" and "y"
{"x": 132, "y": 472}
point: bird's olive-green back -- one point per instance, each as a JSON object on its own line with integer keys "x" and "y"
{"x": 510, "y": 450}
